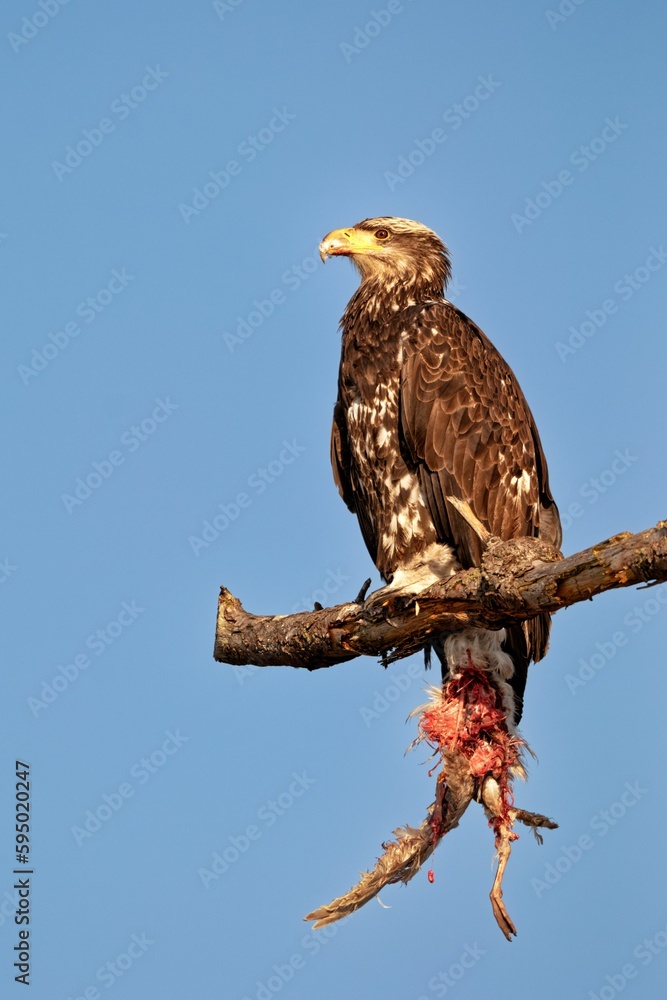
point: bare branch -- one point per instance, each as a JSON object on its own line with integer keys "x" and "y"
{"x": 516, "y": 581}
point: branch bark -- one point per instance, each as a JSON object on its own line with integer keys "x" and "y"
{"x": 516, "y": 581}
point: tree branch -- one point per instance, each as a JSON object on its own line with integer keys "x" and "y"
{"x": 516, "y": 581}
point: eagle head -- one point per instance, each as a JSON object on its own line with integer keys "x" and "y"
{"x": 390, "y": 248}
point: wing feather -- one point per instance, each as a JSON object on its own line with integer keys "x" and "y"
{"x": 467, "y": 428}
{"x": 465, "y": 420}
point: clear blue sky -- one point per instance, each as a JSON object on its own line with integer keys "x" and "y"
{"x": 170, "y": 344}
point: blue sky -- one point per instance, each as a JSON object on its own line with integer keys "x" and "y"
{"x": 170, "y": 362}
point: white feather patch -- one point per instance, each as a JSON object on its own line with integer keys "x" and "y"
{"x": 484, "y": 647}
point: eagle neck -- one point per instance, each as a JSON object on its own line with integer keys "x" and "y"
{"x": 379, "y": 299}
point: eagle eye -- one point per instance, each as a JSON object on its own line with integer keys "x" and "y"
{"x": 381, "y": 234}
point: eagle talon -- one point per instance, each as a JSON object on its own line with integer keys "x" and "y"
{"x": 361, "y": 596}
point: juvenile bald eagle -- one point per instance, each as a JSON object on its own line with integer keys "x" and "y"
{"x": 434, "y": 448}
{"x": 428, "y": 412}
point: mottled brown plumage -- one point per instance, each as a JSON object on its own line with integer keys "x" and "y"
{"x": 428, "y": 410}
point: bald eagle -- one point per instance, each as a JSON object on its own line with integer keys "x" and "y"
{"x": 429, "y": 414}
{"x": 434, "y": 449}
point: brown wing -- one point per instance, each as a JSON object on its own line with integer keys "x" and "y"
{"x": 468, "y": 430}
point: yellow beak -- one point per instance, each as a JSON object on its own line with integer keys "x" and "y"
{"x": 346, "y": 242}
